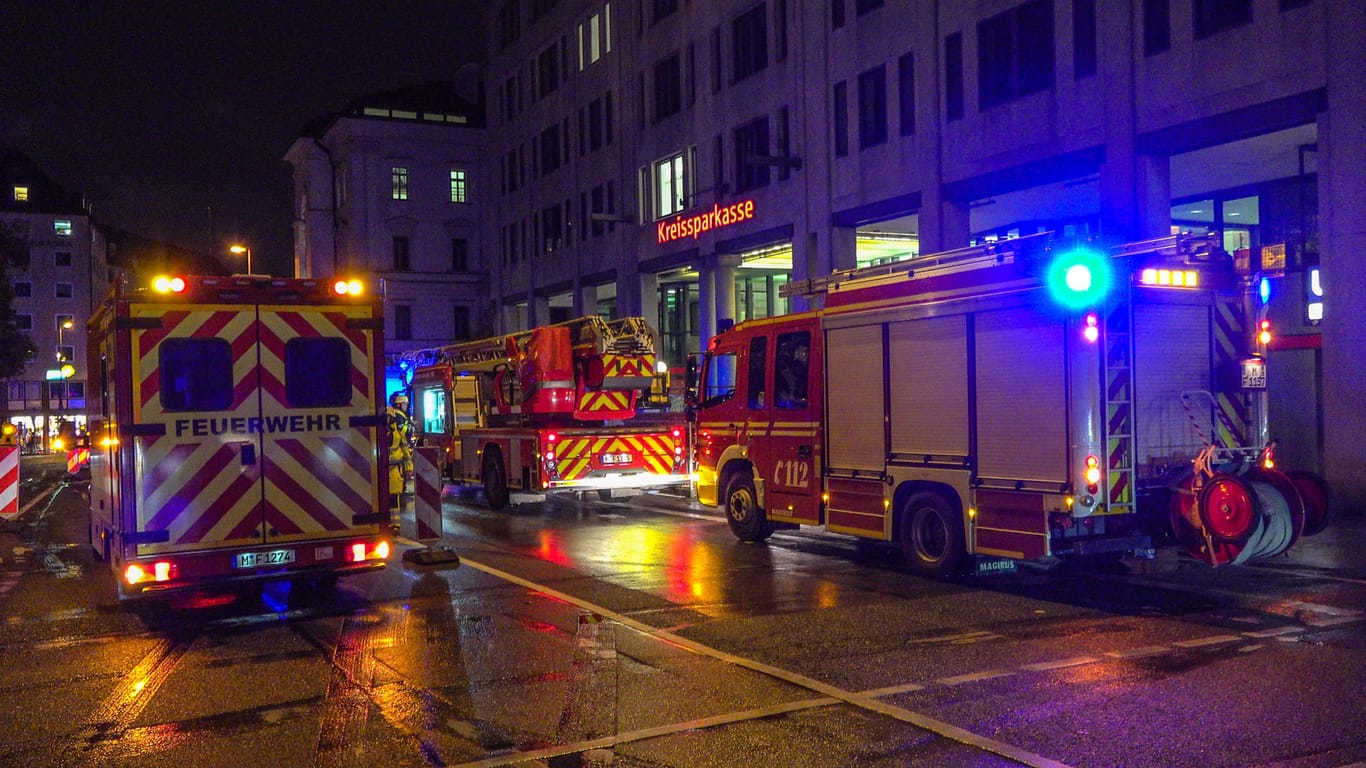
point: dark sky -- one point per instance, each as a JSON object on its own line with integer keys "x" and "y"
{"x": 172, "y": 117}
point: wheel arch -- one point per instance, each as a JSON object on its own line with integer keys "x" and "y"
{"x": 945, "y": 491}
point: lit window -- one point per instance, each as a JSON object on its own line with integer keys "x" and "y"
{"x": 670, "y": 186}
{"x": 595, "y": 36}
{"x": 400, "y": 183}
{"x": 458, "y": 186}
{"x": 20, "y": 194}
{"x": 62, "y": 227}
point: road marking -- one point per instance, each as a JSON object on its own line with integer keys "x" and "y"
{"x": 973, "y": 677}
{"x": 862, "y": 701}
{"x": 1138, "y": 653}
{"x": 345, "y": 710}
{"x": 893, "y": 690}
{"x": 1201, "y": 642}
{"x": 1273, "y": 632}
{"x": 107, "y": 723}
{"x": 1044, "y": 666}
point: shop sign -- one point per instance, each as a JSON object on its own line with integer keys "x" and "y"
{"x": 693, "y": 225}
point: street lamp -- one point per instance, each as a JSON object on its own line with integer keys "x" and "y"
{"x": 241, "y": 249}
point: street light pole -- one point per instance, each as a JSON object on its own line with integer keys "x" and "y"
{"x": 241, "y": 249}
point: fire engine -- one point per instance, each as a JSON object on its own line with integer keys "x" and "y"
{"x": 1021, "y": 400}
{"x": 559, "y": 408}
{"x": 236, "y": 434}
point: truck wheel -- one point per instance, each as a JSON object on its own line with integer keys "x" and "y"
{"x": 746, "y": 519}
{"x": 931, "y": 535}
{"x": 495, "y": 480}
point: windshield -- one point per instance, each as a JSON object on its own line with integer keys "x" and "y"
{"x": 718, "y": 378}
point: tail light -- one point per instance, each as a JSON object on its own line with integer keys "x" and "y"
{"x": 161, "y": 570}
{"x": 1091, "y": 330}
{"x": 1092, "y": 474}
{"x": 361, "y": 551}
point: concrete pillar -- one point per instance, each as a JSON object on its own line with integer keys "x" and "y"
{"x": 706, "y": 302}
{"x": 843, "y": 248}
{"x": 1153, "y": 197}
{"x": 538, "y": 311}
{"x": 1342, "y": 231}
{"x": 807, "y": 263}
{"x": 725, "y": 286}
{"x": 649, "y": 298}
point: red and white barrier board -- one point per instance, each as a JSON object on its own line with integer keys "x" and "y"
{"x": 427, "y": 493}
{"x": 9, "y": 481}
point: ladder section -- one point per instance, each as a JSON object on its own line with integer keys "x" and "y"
{"x": 1119, "y": 409}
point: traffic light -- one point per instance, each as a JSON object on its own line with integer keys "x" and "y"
{"x": 1079, "y": 278}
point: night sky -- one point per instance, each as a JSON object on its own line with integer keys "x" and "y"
{"x": 172, "y": 118}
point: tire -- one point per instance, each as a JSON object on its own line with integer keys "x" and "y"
{"x": 747, "y": 521}
{"x": 931, "y": 533}
{"x": 495, "y": 479}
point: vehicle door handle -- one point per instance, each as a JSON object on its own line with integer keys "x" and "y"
{"x": 805, "y": 452}
{"x": 248, "y": 454}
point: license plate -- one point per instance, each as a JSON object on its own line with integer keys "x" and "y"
{"x": 257, "y": 559}
{"x": 616, "y": 458}
{"x": 1254, "y": 373}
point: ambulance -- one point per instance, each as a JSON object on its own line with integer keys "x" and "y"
{"x": 237, "y": 431}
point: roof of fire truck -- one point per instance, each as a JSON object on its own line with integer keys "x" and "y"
{"x": 590, "y": 335}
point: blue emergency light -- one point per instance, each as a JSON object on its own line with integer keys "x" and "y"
{"x": 1079, "y": 278}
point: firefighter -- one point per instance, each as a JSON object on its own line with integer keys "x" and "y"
{"x": 400, "y": 451}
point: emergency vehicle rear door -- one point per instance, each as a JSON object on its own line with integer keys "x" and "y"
{"x": 318, "y": 450}
{"x": 795, "y": 442}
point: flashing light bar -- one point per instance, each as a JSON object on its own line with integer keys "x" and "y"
{"x": 1175, "y": 278}
{"x": 168, "y": 284}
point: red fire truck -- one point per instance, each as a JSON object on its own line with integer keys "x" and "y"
{"x": 1014, "y": 401}
{"x": 236, "y": 432}
{"x": 558, "y": 408}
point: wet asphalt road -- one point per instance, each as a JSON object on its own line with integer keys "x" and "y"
{"x": 643, "y": 634}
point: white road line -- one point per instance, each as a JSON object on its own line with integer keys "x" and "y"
{"x": 1201, "y": 642}
{"x": 893, "y": 690}
{"x": 1138, "y": 653}
{"x": 917, "y": 719}
{"x": 1273, "y": 632}
{"x": 972, "y": 677}
{"x": 1044, "y": 666}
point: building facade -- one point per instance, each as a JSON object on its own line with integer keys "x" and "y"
{"x": 60, "y": 273}
{"x": 682, "y": 159}
{"x": 391, "y": 189}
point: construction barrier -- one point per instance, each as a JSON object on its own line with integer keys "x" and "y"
{"x": 9, "y": 482}
{"x": 427, "y": 493}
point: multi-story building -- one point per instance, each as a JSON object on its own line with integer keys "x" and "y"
{"x": 682, "y": 159}
{"x": 391, "y": 188}
{"x": 59, "y": 274}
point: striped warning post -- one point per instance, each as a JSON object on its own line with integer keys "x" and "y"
{"x": 427, "y": 493}
{"x": 9, "y": 481}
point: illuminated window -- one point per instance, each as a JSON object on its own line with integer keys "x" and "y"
{"x": 595, "y": 36}
{"x": 671, "y": 187}
{"x": 62, "y": 227}
{"x": 458, "y": 186}
{"x": 20, "y": 194}
{"x": 399, "y": 178}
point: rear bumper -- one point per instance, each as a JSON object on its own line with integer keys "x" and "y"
{"x": 643, "y": 481}
{"x": 145, "y": 589}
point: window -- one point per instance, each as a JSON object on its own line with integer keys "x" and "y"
{"x": 1015, "y": 53}
{"x": 872, "y": 107}
{"x": 668, "y": 88}
{"x": 552, "y": 229}
{"x": 595, "y": 124}
{"x": 836, "y": 14}
{"x": 758, "y": 362}
{"x": 509, "y": 22}
{"x": 718, "y": 384}
{"x": 865, "y": 6}
{"x": 751, "y": 142}
{"x": 317, "y": 372}
{"x": 548, "y": 71}
{"x": 780, "y": 29}
{"x": 749, "y": 34}
{"x": 399, "y": 180}
{"x": 461, "y": 322}
{"x": 715, "y": 59}
{"x": 196, "y": 374}
{"x": 550, "y": 149}
{"x": 458, "y": 186}
{"x": 1083, "y": 39}
{"x": 539, "y": 8}
{"x": 953, "y": 76}
{"x": 595, "y": 37}
{"x": 841, "y": 102}
{"x": 403, "y": 321}
{"x": 65, "y": 353}
{"x": 402, "y": 257}
{"x": 460, "y": 254}
{"x": 1157, "y": 27}
{"x": 62, "y": 227}
{"x": 1214, "y": 16}
{"x": 20, "y": 193}
{"x": 23, "y": 290}
{"x": 23, "y": 322}
{"x": 61, "y": 259}
{"x": 64, "y": 291}
{"x": 671, "y": 192}
{"x": 662, "y": 8}
{"x": 62, "y": 321}
{"x": 905, "y": 75}
{"x": 791, "y": 370}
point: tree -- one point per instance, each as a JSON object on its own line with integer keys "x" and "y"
{"x": 16, "y": 347}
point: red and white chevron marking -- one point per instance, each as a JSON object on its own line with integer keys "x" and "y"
{"x": 9, "y": 481}
{"x": 427, "y": 492}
